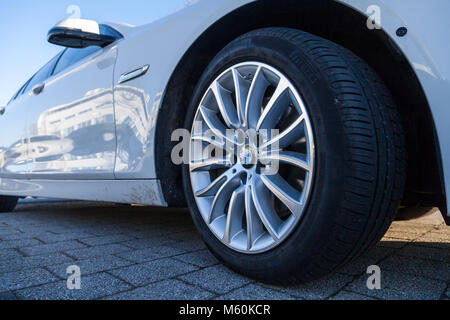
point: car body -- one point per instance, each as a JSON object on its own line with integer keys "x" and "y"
{"x": 89, "y": 126}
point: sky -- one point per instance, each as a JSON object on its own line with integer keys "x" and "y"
{"x": 24, "y": 25}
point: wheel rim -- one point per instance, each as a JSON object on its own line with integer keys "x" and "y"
{"x": 251, "y": 184}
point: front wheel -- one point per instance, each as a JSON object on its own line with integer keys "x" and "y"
{"x": 296, "y": 162}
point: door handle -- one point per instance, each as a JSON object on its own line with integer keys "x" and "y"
{"x": 2, "y": 111}
{"x": 37, "y": 89}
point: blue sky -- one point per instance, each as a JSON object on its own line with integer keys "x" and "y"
{"x": 24, "y": 25}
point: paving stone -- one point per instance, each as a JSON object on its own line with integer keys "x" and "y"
{"x": 255, "y": 292}
{"x": 175, "y": 289}
{"x": 392, "y": 243}
{"x": 188, "y": 245}
{"x": 90, "y": 266}
{"x": 154, "y": 271}
{"x": 201, "y": 258}
{"x": 419, "y": 267}
{"x": 52, "y": 238}
{"x": 216, "y": 279}
{"x": 111, "y": 239}
{"x": 347, "y": 295}
{"x": 19, "y": 243}
{"x": 92, "y": 287}
{"x": 400, "y": 286}
{"x": 8, "y": 254}
{"x": 371, "y": 258}
{"x": 148, "y": 242}
{"x": 149, "y": 254}
{"x": 24, "y": 279}
{"x": 437, "y": 254}
{"x": 434, "y": 239}
{"x": 51, "y": 248}
{"x": 319, "y": 289}
{"x": 22, "y": 263}
{"x": 7, "y": 296}
{"x": 81, "y": 254}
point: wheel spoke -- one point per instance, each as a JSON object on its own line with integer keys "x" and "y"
{"x": 214, "y": 186}
{"x": 210, "y": 164}
{"x": 214, "y": 124}
{"x": 255, "y": 227}
{"x": 264, "y": 207}
{"x": 222, "y": 198}
{"x": 290, "y": 197}
{"x": 226, "y": 106}
{"x": 288, "y": 136}
{"x": 235, "y": 214}
{"x": 288, "y": 157}
{"x": 242, "y": 88}
{"x": 255, "y": 98}
{"x": 276, "y": 107}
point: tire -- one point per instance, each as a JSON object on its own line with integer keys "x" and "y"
{"x": 359, "y": 163}
{"x": 7, "y": 204}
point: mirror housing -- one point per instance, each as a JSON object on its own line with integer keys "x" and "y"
{"x": 80, "y": 33}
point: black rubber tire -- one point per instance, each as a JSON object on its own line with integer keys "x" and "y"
{"x": 7, "y": 204}
{"x": 360, "y": 155}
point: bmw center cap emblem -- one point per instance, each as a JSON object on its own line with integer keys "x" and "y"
{"x": 247, "y": 156}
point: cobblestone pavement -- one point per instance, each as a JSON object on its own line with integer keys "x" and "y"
{"x": 150, "y": 253}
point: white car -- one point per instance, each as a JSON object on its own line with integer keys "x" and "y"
{"x": 348, "y": 99}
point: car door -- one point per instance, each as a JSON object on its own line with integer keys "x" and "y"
{"x": 14, "y": 127}
{"x": 72, "y": 129}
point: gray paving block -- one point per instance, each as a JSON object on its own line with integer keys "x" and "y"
{"x": 372, "y": 257}
{"x": 255, "y": 292}
{"x": 188, "y": 245}
{"x": 154, "y": 271}
{"x": 7, "y": 296}
{"x": 23, "y": 263}
{"x": 201, "y": 258}
{"x": 414, "y": 266}
{"x": 216, "y": 279}
{"x": 110, "y": 239}
{"x": 24, "y": 279}
{"x": 98, "y": 251}
{"x": 52, "y": 238}
{"x": 319, "y": 289}
{"x": 166, "y": 290}
{"x": 436, "y": 254}
{"x": 149, "y": 254}
{"x": 347, "y": 295}
{"x": 92, "y": 287}
{"x": 435, "y": 240}
{"x": 400, "y": 286}
{"x": 8, "y": 254}
{"x": 51, "y": 248}
{"x": 392, "y": 243}
{"x": 19, "y": 243}
{"x": 90, "y": 266}
{"x": 148, "y": 242}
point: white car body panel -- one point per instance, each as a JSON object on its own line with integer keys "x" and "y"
{"x": 137, "y": 102}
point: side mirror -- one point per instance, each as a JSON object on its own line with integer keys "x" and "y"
{"x": 2, "y": 110}
{"x": 80, "y": 33}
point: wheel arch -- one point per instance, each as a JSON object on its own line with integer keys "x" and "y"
{"x": 425, "y": 185}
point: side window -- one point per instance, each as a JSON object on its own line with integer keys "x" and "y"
{"x": 72, "y": 56}
{"x": 41, "y": 75}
